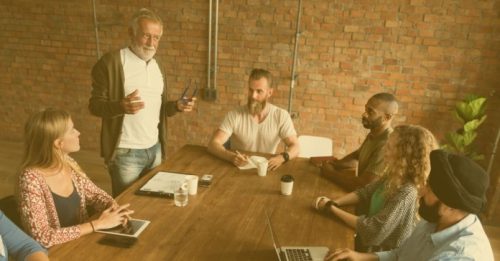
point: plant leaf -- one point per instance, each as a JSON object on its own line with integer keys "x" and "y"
{"x": 476, "y": 106}
{"x": 458, "y": 116}
{"x": 457, "y": 141}
{"x": 461, "y": 110}
{"x": 472, "y": 125}
{"x": 468, "y": 138}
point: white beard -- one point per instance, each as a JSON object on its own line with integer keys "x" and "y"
{"x": 146, "y": 53}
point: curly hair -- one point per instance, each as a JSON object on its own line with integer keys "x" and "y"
{"x": 407, "y": 157}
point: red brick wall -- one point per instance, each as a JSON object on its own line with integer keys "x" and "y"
{"x": 429, "y": 53}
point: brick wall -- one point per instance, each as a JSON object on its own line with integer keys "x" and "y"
{"x": 430, "y": 53}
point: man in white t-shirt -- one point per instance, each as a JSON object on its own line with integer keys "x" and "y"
{"x": 257, "y": 126}
{"x": 129, "y": 94}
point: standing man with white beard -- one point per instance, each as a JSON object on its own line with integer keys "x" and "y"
{"x": 258, "y": 126}
{"x": 129, "y": 94}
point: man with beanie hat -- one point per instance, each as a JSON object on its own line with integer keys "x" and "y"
{"x": 454, "y": 195}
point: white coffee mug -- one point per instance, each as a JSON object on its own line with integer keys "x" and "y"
{"x": 192, "y": 182}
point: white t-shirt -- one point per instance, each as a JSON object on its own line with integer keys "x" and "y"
{"x": 247, "y": 134}
{"x": 140, "y": 130}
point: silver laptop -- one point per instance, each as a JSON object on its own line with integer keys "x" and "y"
{"x": 295, "y": 253}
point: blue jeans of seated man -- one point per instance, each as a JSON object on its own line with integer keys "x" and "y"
{"x": 129, "y": 164}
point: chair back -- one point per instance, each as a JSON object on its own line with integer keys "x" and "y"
{"x": 315, "y": 146}
{"x": 9, "y": 207}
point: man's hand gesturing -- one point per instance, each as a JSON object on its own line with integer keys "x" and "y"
{"x": 132, "y": 103}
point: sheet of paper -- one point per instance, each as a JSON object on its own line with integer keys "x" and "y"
{"x": 252, "y": 162}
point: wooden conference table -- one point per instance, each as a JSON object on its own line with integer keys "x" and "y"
{"x": 225, "y": 221}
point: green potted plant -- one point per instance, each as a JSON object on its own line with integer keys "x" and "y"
{"x": 471, "y": 113}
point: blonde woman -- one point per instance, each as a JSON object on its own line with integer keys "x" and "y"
{"x": 53, "y": 192}
{"x": 391, "y": 200}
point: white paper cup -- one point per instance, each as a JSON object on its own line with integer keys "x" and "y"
{"x": 286, "y": 188}
{"x": 262, "y": 168}
{"x": 286, "y": 185}
{"x": 192, "y": 182}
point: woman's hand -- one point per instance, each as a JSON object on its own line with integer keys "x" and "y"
{"x": 319, "y": 202}
{"x": 348, "y": 254}
{"x": 113, "y": 217}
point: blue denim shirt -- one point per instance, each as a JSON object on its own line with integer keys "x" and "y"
{"x": 465, "y": 240}
{"x": 15, "y": 242}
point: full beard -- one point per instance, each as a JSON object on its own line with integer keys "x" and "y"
{"x": 146, "y": 53}
{"x": 429, "y": 213}
{"x": 371, "y": 124}
{"x": 256, "y": 107}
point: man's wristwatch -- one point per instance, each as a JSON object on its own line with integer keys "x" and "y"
{"x": 285, "y": 155}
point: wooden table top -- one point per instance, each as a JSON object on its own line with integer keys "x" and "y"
{"x": 225, "y": 221}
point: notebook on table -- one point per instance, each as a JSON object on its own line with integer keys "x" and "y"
{"x": 295, "y": 253}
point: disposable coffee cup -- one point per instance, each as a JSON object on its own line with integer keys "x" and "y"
{"x": 286, "y": 185}
{"x": 262, "y": 167}
{"x": 192, "y": 182}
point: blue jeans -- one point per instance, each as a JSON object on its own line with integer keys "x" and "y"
{"x": 129, "y": 164}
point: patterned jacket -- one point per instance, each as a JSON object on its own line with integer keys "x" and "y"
{"x": 38, "y": 211}
{"x": 393, "y": 223}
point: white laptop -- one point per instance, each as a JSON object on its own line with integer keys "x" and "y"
{"x": 160, "y": 184}
{"x": 295, "y": 253}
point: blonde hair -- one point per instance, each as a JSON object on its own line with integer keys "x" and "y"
{"x": 40, "y": 132}
{"x": 407, "y": 159}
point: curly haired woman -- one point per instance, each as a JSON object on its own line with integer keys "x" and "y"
{"x": 392, "y": 200}
{"x": 53, "y": 192}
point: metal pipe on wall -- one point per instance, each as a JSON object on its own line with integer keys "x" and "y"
{"x": 216, "y": 37}
{"x": 493, "y": 153}
{"x": 294, "y": 65}
{"x": 494, "y": 197}
{"x": 209, "y": 69}
{"x": 210, "y": 93}
{"x": 96, "y": 29}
